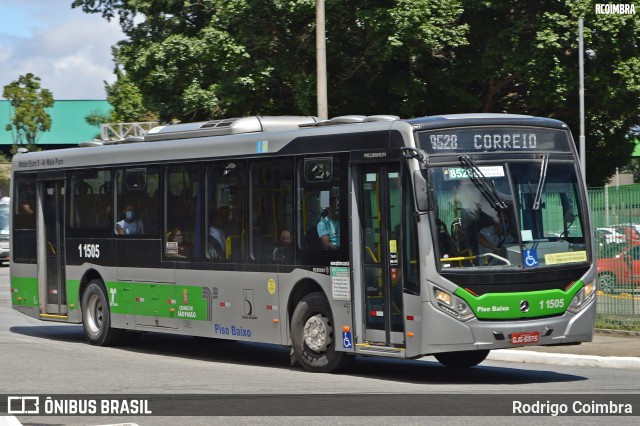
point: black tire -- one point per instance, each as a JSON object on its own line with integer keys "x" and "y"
{"x": 313, "y": 336}
{"x": 96, "y": 316}
{"x": 606, "y": 282}
{"x": 462, "y": 359}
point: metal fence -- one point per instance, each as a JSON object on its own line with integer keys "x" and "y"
{"x": 616, "y": 227}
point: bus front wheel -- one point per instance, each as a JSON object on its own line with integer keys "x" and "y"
{"x": 463, "y": 359}
{"x": 313, "y": 336}
{"x": 96, "y": 317}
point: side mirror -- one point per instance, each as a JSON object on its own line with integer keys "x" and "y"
{"x": 423, "y": 191}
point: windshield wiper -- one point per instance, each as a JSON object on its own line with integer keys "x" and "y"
{"x": 481, "y": 181}
{"x": 537, "y": 201}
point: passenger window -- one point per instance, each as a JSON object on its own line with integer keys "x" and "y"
{"x": 271, "y": 210}
{"x": 24, "y": 216}
{"x": 183, "y": 233}
{"x": 138, "y": 202}
{"x": 322, "y": 232}
{"x": 225, "y": 229}
{"x": 91, "y": 201}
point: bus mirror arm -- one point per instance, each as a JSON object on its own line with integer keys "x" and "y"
{"x": 418, "y": 154}
{"x": 423, "y": 191}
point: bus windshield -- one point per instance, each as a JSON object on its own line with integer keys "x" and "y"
{"x": 508, "y": 214}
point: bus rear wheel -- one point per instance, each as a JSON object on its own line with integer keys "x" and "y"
{"x": 96, "y": 317}
{"x": 463, "y": 359}
{"x": 313, "y": 336}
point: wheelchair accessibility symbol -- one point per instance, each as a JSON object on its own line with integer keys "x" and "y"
{"x": 346, "y": 339}
{"x": 530, "y": 258}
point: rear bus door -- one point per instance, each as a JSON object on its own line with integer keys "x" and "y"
{"x": 51, "y": 248}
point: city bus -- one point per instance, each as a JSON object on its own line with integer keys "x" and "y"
{"x": 446, "y": 235}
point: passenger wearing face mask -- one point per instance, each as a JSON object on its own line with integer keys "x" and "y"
{"x": 329, "y": 226}
{"x": 179, "y": 248}
{"x": 130, "y": 225}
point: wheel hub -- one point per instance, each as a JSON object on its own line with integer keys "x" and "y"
{"x": 317, "y": 333}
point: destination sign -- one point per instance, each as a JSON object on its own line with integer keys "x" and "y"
{"x": 494, "y": 139}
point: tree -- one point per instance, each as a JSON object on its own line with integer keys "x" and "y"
{"x": 29, "y": 101}
{"x": 197, "y": 60}
{"x": 200, "y": 60}
{"x": 522, "y": 57}
{"x": 128, "y": 103}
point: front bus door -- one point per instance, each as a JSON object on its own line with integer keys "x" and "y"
{"x": 52, "y": 270}
{"x": 381, "y": 195}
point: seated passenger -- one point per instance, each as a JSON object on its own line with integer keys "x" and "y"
{"x": 130, "y": 225}
{"x": 284, "y": 252}
{"x": 176, "y": 247}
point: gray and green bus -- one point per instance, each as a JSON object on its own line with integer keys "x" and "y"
{"x": 360, "y": 235}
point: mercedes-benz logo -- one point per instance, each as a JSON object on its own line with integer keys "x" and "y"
{"x": 524, "y": 306}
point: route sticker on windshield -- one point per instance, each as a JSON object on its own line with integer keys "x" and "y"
{"x": 456, "y": 173}
{"x": 567, "y": 257}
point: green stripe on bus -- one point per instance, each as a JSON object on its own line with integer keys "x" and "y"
{"x": 505, "y": 306}
{"x": 73, "y": 287}
{"x": 24, "y": 291}
{"x": 157, "y": 300}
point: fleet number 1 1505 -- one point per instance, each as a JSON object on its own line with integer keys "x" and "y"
{"x": 552, "y": 304}
{"x": 91, "y": 251}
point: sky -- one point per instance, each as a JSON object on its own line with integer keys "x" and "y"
{"x": 68, "y": 49}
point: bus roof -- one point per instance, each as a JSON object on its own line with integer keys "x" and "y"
{"x": 257, "y": 135}
{"x": 483, "y": 119}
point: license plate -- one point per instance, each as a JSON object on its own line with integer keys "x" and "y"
{"x": 525, "y": 338}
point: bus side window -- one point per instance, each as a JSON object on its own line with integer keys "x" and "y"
{"x": 271, "y": 205}
{"x": 25, "y": 202}
{"x": 138, "y": 201}
{"x": 224, "y": 233}
{"x": 91, "y": 206}
{"x": 320, "y": 201}
{"x": 184, "y": 208}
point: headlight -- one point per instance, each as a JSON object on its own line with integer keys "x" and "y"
{"x": 452, "y": 305}
{"x": 583, "y": 297}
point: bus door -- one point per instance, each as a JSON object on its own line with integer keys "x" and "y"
{"x": 51, "y": 249}
{"x": 381, "y": 216}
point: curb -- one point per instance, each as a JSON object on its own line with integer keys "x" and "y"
{"x": 532, "y": 357}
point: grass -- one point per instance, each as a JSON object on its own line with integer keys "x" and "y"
{"x": 617, "y": 322}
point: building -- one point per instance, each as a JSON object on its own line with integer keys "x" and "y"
{"x": 69, "y": 126}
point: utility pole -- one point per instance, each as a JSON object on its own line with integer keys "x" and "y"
{"x": 583, "y": 152}
{"x": 321, "y": 61}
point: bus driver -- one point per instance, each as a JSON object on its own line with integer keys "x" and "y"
{"x": 329, "y": 226}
